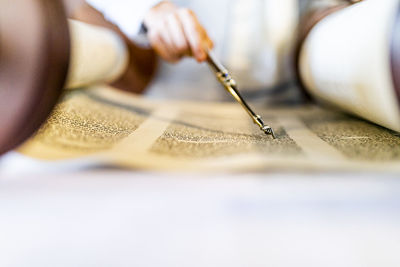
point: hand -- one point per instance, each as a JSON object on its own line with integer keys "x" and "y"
{"x": 176, "y": 32}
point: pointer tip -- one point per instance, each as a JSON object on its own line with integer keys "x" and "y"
{"x": 269, "y": 131}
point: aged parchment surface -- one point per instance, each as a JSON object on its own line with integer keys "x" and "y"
{"x": 130, "y": 131}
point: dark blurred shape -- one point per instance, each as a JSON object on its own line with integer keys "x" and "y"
{"x": 395, "y": 54}
{"x": 34, "y": 58}
{"x": 34, "y": 62}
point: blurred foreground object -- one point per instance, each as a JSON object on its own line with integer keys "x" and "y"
{"x": 351, "y": 59}
{"x": 41, "y": 52}
{"x": 34, "y": 59}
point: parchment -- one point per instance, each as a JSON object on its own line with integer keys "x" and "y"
{"x": 125, "y": 130}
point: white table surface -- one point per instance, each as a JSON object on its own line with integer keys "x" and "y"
{"x": 80, "y": 214}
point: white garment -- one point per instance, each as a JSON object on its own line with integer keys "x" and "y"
{"x": 251, "y": 38}
{"x": 127, "y": 14}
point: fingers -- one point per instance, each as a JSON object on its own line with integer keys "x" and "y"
{"x": 195, "y": 34}
{"x": 161, "y": 44}
{"x": 179, "y": 44}
{"x": 176, "y": 32}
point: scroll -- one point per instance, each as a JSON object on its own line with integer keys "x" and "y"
{"x": 98, "y": 55}
{"x": 349, "y": 57}
{"x": 337, "y": 65}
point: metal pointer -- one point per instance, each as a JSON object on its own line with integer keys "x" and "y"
{"x": 230, "y": 85}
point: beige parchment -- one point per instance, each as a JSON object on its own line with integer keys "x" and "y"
{"x": 129, "y": 131}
